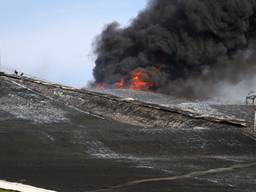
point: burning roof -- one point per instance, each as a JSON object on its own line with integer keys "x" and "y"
{"x": 195, "y": 45}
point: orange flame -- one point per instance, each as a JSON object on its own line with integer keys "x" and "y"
{"x": 139, "y": 80}
{"x": 119, "y": 84}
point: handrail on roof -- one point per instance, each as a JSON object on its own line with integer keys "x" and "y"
{"x": 250, "y": 99}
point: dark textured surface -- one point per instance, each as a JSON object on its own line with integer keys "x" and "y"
{"x": 47, "y": 144}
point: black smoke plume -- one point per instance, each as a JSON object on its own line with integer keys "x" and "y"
{"x": 196, "y": 44}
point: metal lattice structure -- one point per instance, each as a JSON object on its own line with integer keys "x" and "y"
{"x": 250, "y": 99}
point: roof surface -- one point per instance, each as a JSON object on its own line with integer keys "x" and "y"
{"x": 47, "y": 144}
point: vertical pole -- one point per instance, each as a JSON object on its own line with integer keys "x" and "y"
{"x": 254, "y": 128}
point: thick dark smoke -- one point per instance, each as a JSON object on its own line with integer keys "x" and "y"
{"x": 196, "y": 44}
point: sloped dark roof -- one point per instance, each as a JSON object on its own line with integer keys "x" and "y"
{"x": 50, "y": 141}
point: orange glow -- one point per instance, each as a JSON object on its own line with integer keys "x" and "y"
{"x": 139, "y": 80}
{"x": 101, "y": 86}
{"x": 119, "y": 84}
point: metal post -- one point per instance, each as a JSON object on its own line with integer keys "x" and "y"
{"x": 254, "y": 128}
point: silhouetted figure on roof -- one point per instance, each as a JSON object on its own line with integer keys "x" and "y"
{"x": 16, "y": 72}
{"x": 21, "y": 74}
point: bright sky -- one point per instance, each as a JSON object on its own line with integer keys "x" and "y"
{"x": 52, "y": 39}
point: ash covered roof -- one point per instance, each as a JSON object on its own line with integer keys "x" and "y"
{"x": 67, "y": 140}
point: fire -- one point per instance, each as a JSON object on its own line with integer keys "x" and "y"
{"x": 101, "y": 86}
{"x": 119, "y": 84}
{"x": 139, "y": 80}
